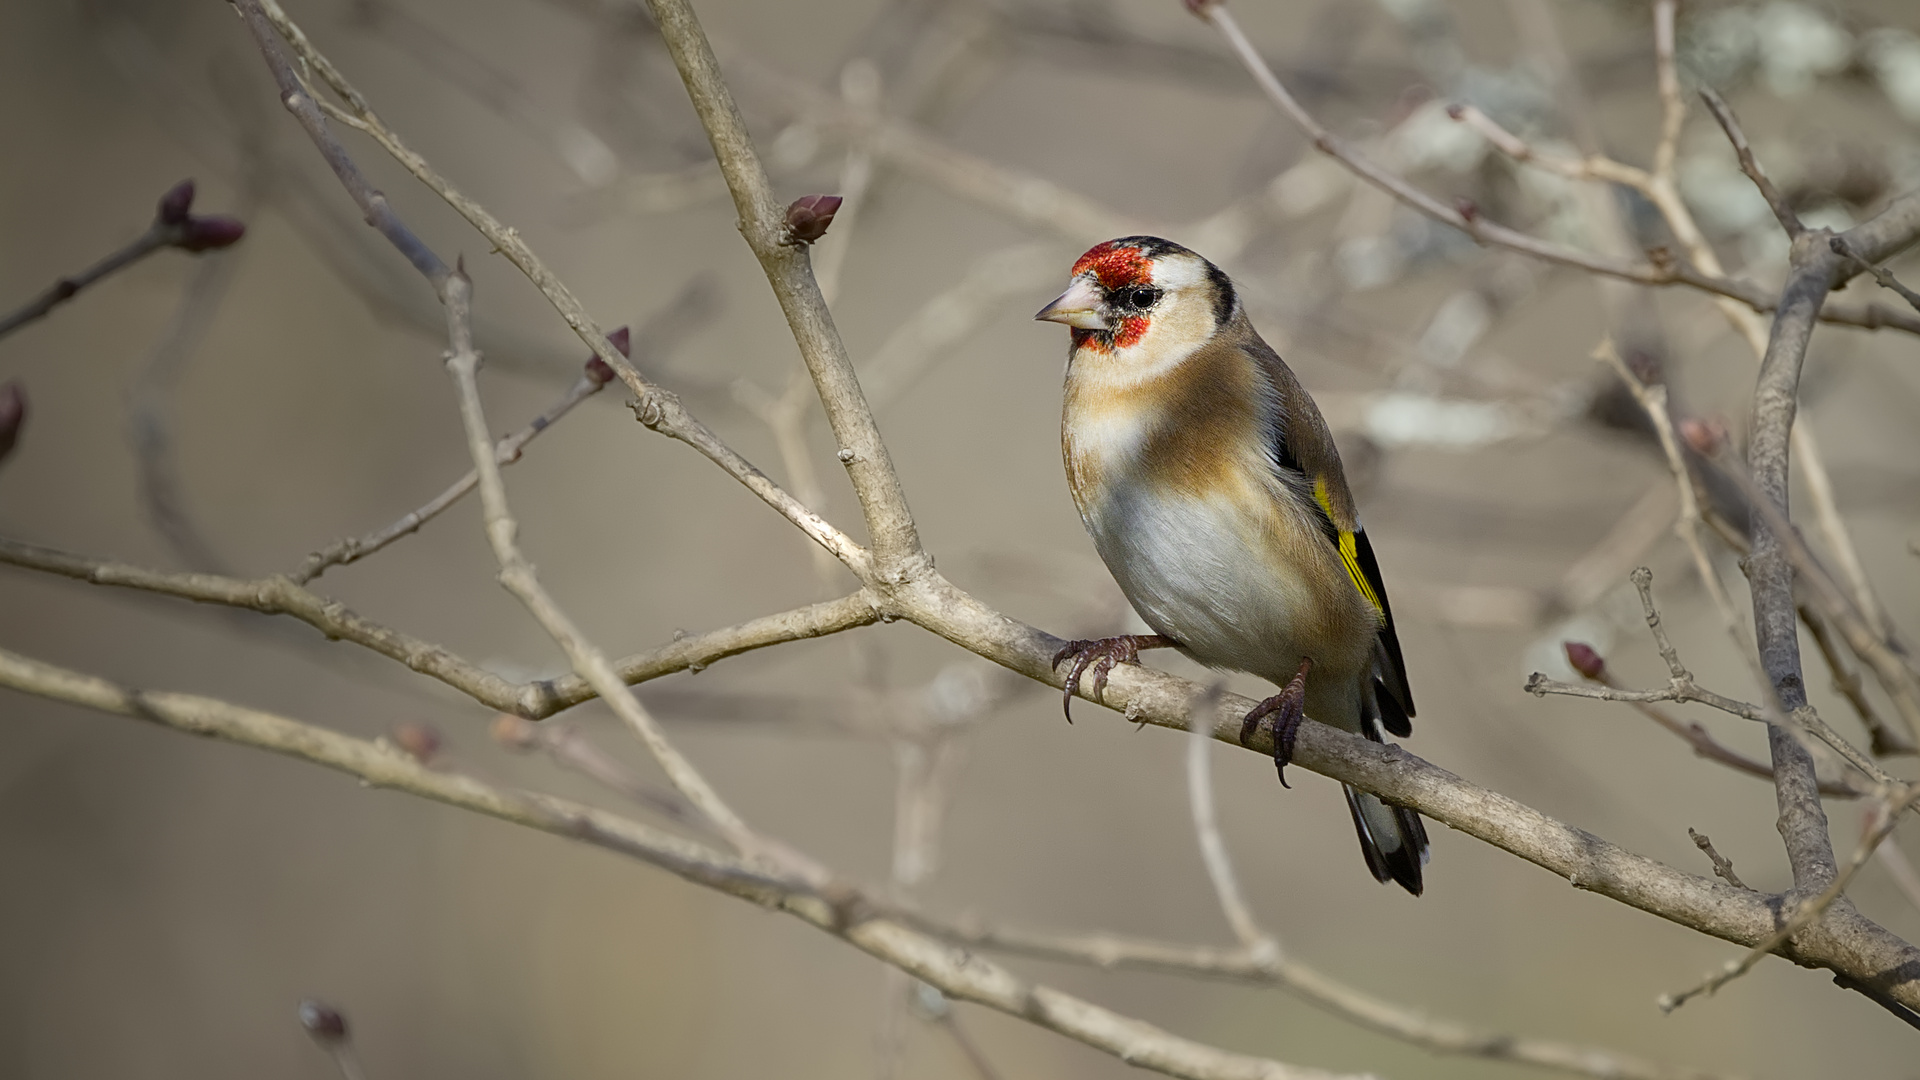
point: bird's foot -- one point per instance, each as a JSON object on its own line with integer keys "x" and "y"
{"x": 1101, "y": 654}
{"x": 1288, "y": 708}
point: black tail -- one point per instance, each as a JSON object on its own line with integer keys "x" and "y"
{"x": 1391, "y": 837}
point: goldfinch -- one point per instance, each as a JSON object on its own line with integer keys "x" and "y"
{"x": 1213, "y": 492}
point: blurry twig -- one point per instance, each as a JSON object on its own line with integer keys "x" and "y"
{"x": 1669, "y": 272}
{"x": 1885, "y": 740}
{"x": 173, "y": 226}
{"x": 1890, "y": 665}
{"x": 1416, "y": 1027}
{"x": 1258, "y": 944}
{"x": 933, "y": 1006}
{"x": 1782, "y": 210}
{"x": 1653, "y": 401}
{"x": 150, "y": 404}
{"x": 571, "y": 749}
{"x": 329, "y": 1032}
{"x": 1892, "y": 859}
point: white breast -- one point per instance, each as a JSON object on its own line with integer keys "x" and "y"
{"x": 1198, "y": 568}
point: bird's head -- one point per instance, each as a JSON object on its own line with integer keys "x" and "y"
{"x": 1143, "y": 293}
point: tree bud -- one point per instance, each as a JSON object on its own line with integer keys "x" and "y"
{"x": 1586, "y": 660}
{"x": 175, "y": 204}
{"x": 210, "y": 233}
{"x": 809, "y": 216}
{"x": 323, "y": 1022}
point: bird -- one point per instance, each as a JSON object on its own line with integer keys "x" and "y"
{"x": 1213, "y": 492}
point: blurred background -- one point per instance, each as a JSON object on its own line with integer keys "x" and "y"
{"x": 168, "y": 901}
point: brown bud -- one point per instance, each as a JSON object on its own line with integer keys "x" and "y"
{"x": 210, "y": 233}
{"x": 1706, "y": 437}
{"x": 13, "y": 415}
{"x": 323, "y": 1022}
{"x": 1201, "y": 8}
{"x": 515, "y": 733}
{"x": 420, "y": 741}
{"x": 175, "y": 204}
{"x": 599, "y": 371}
{"x": 1585, "y": 660}
{"x": 809, "y": 216}
{"x": 1467, "y": 208}
{"x": 1456, "y": 111}
{"x": 1662, "y": 259}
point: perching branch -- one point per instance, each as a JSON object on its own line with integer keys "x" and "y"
{"x": 834, "y": 907}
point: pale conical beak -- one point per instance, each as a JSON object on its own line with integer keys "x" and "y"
{"x": 1078, "y": 307}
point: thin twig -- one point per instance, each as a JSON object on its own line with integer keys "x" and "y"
{"x": 1213, "y": 850}
{"x": 1782, "y": 210}
{"x": 506, "y": 451}
{"x": 1890, "y": 667}
{"x": 1809, "y": 909}
{"x": 869, "y": 465}
{"x": 1652, "y": 399}
{"x": 1682, "y": 689}
{"x": 1673, "y": 107}
{"x": 1848, "y": 786}
{"x": 519, "y": 578}
{"x": 1881, "y": 274}
{"x": 1668, "y": 272}
{"x": 1414, "y": 1026}
{"x": 67, "y": 287}
{"x": 1722, "y": 866}
{"x": 1885, "y": 740}
{"x": 655, "y": 407}
{"x": 534, "y": 700}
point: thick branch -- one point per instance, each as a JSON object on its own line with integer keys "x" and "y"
{"x": 836, "y": 908}
{"x": 1843, "y": 942}
{"x": 762, "y": 222}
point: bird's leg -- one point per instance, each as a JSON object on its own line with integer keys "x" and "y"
{"x": 1102, "y": 654}
{"x": 1290, "y": 705}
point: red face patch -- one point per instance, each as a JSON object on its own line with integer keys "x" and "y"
{"x": 1115, "y": 265}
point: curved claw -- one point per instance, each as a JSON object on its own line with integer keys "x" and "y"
{"x": 1072, "y": 684}
{"x": 1291, "y": 705}
{"x": 1101, "y": 654}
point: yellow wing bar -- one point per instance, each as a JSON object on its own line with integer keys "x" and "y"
{"x": 1349, "y": 550}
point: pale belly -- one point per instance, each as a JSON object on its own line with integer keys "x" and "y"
{"x": 1207, "y": 572}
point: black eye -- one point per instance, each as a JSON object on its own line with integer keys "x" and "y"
{"x": 1138, "y": 298}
